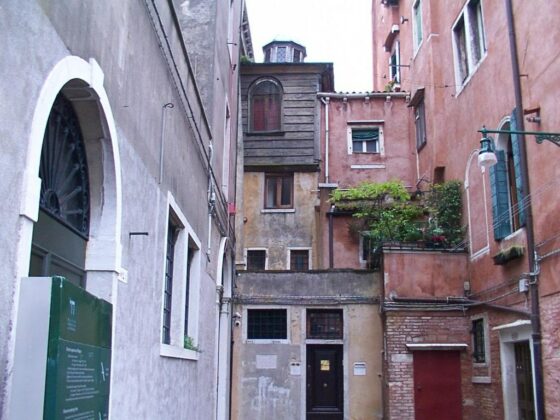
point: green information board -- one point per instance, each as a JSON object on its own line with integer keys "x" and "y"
{"x": 78, "y": 355}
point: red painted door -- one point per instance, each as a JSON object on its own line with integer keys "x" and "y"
{"x": 437, "y": 385}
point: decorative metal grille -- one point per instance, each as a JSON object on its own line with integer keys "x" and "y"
{"x": 479, "y": 353}
{"x": 324, "y": 324}
{"x": 168, "y": 289}
{"x": 63, "y": 170}
{"x": 267, "y": 324}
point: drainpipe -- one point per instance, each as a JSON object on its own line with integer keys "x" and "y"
{"x": 331, "y": 245}
{"x": 211, "y": 200}
{"x": 326, "y": 102}
{"x": 162, "y": 137}
{"x": 533, "y": 270}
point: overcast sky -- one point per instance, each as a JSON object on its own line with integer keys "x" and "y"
{"x": 337, "y": 31}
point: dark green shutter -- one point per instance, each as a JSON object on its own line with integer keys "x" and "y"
{"x": 500, "y": 201}
{"x": 516, "y": 149}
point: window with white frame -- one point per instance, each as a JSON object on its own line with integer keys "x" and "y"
{"x": 420, "y": 124}
{"x": 179, "y": 330}
{"x": 395, "y": 63}
{"x": 417, "y": 34}
{"x": 469, "y": 43}
{"x": 365, "y": 139}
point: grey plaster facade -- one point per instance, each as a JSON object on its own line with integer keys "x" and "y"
{"x": 120, "y": 63}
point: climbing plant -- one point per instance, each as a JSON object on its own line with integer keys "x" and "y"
{"x": 387, "y": 212}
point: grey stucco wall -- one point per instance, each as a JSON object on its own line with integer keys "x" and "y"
{"x": 138, "y": 82}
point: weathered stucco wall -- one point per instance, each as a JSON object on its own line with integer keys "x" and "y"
{"x": 278, "y": 230}
{"x": 266, "y": 382}
{"x": 424, "y": 274}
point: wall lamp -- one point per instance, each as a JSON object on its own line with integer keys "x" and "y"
{"x": 487, "y": 155}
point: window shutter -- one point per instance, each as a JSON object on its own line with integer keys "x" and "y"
{"x": 258, "y": 113}
{"x": 500, "y": 201}
{"x": 273, "y": 112}
{"x": 516, "y": 149}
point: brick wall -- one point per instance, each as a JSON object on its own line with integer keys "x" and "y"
{"x": 550, "y": 321}
{"x": 481, "y": 384}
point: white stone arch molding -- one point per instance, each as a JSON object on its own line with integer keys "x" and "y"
{"x": 82, "y": 83}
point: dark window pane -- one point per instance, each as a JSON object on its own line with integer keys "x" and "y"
{"x": 479, "y": 353}
{"x": 267, "y": 324}
{"x": 324, "y": 324}
{"x": 299, "y": 260}
{"x": 256, "y": 259}
{"x": 278, "y": 193}
{"x": 286, "y": 199}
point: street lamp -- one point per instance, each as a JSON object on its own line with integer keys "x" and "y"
{"x": 486, "y": 154}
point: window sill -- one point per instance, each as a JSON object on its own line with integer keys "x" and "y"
{"x": 324, "y": 341}
{"x": 266, "y": 341}
{"x": 369, "y": 166}
{"x": 176, "y": 352}
{"x": 278, "y": 210}
{"x": 265, "y": 133}
{"x": 481, "y": 380}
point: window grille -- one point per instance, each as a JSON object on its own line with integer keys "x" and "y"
{"x": 267, "y": 324}
{"x": 168, "y": 287}
{"x": 479, "y": 351}
{"x": 256, "y": 259}
{"x": 299, "y": 260}
{"x": 324, "y": 324}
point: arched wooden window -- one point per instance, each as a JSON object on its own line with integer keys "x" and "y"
{"x": 61, "y": 232}
{"x": 266, "y": 106}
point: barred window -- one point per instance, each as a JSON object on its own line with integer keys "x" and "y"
{"x": 267, "y": 324}
{"x": 479, "y": 350}
{"x": 324, "y": 324}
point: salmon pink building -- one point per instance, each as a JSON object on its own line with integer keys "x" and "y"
{"x": 481, "y": 340}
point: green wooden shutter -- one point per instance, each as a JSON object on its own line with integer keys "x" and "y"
{"x": 516, "y": 149}
{"x": 500, "y": 201}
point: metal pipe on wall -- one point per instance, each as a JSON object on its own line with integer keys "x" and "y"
{"x": 533, "y": 290}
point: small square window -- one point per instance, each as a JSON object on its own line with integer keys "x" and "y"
{"x": 256, "y": 259}
{"x": 479, "y": 349}
{"x": 299, "y": 259}
{"x": 365, "y": 140}
{"x": 279, "y": 191}
{"x": 324, "y": 324}
{"x": 267, "y": 324}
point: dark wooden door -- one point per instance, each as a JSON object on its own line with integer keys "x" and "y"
{"x": 324, "y": 382}
{"x": 437, "y": 385}
{"x": 524, "y": 377}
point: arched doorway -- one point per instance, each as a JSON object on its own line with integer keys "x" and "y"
{"x": 79, "y": 83}
{"x": 62, "y": 229}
